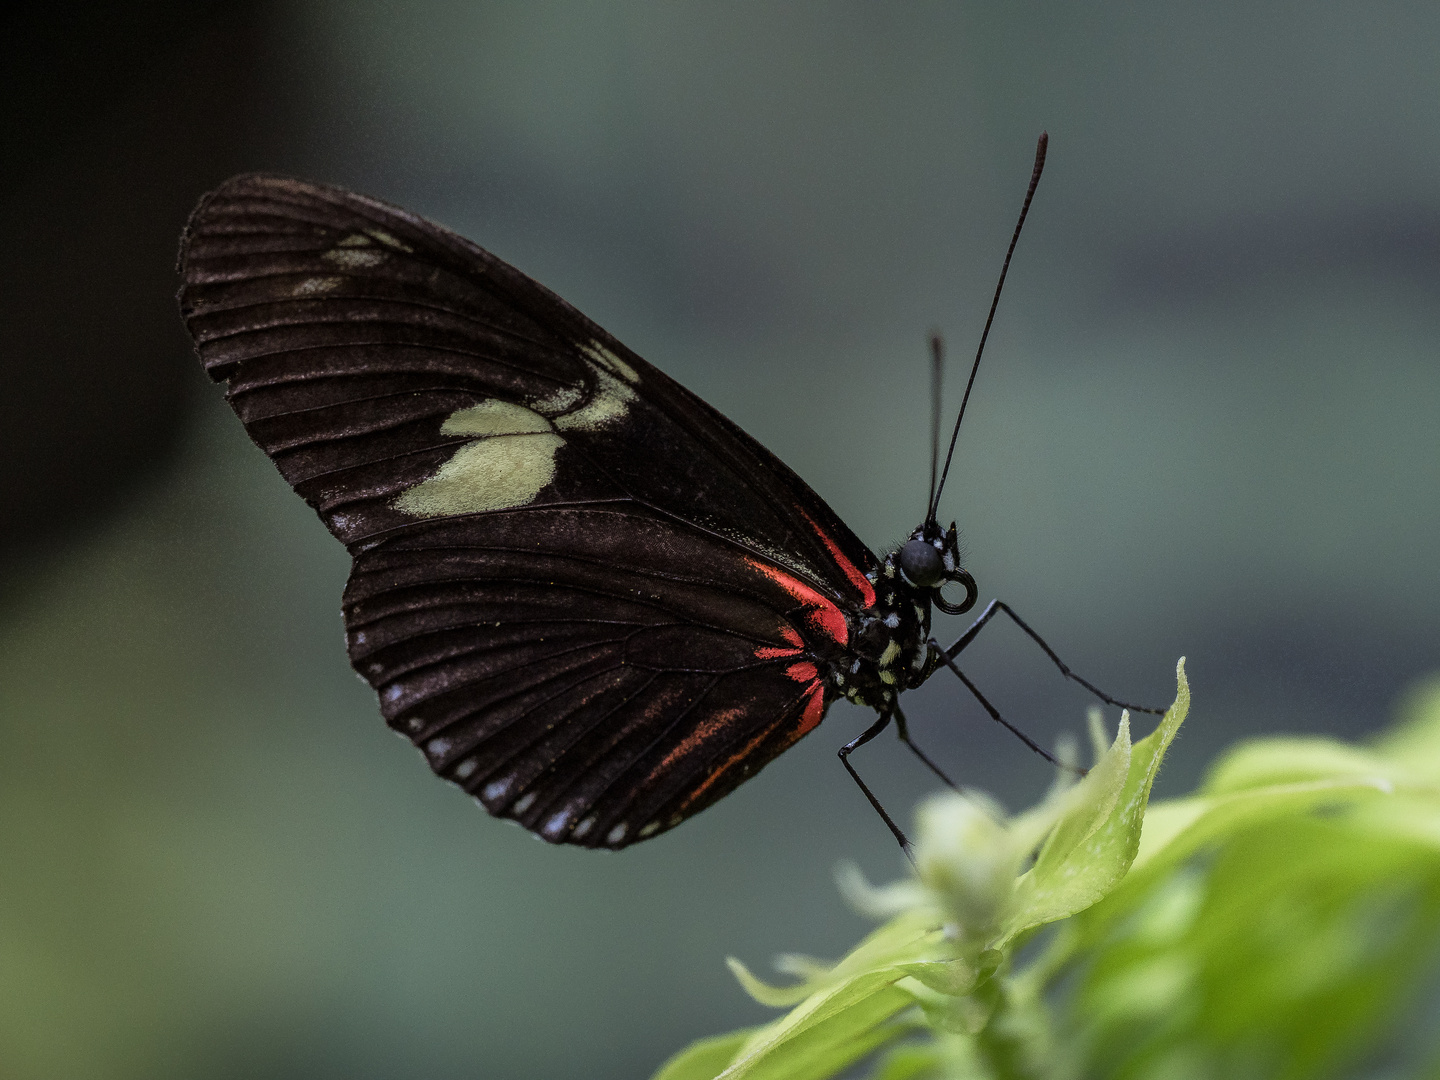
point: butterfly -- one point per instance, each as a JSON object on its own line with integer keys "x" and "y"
{"x": 589, "y": 599}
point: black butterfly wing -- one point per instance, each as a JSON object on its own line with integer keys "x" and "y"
{"x": 587, "y": 596}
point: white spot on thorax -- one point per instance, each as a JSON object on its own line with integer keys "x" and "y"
{"x": 887, "y": 657}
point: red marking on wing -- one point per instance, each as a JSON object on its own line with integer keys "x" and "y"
{"x": 848, "y": 568}
{"x": 770, "y": 652}
{"x": 788, "y": 633}
{"x": 814, "y": 708}
{"x": 811, "y": 715}
{"x": 823, "y": 614}
{"x": 802, "y": 672}
{"x": 704, "y": 730}
{"x": 739, "y": 755}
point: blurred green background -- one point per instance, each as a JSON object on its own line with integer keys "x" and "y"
{"x": 1207, "y": 426}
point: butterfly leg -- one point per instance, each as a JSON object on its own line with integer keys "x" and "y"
{"x": 993, "y": 608}
{"x": 854, "y": 744}
{"x": 994, "y": 712}
{"x": 903, "y": 731}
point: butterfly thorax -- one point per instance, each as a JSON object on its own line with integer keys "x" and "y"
{"x": 889, "y": 648}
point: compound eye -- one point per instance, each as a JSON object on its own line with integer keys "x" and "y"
{"x": 922, "y": 563}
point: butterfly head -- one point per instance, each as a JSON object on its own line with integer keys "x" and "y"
{"x": 930, "y": 559}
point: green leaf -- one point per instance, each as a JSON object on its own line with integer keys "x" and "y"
{"x": 845, "y": 1012}
{"x": 1275, "y": 761}
{"x": 775, "y": 996}
{"x": 1088, "y": 853}
{"x": 827, "y": 1034}
{"x": 1416, "y": 739}
{"x": 911, "y": 1063}
{"x": 706, "y": 1058}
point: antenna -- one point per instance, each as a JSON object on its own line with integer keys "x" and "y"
{"x": 937, "y": 369}
{"x": 1004, "y": 269}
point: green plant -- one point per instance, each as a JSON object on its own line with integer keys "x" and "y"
{"x": 1280, "y": 922}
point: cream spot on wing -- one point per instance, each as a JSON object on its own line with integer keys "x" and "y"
{"x": 355, "y": 240}
{"x": 615, "y": 835}
{"x": 650, "y": 829}
{"x": 557, "y": 824}
{"x": 497, "y": 789}
{"x": 524, "y": 804}
{"x": 607, "y": 359}
{"x": 464, "y": 770}
{"x": 509, "y": 463}
{"x": 490, "y": 474}
{"x": 438, "y": 748}
{"x": 388, "y": 240}
{"x": 351, "y": 258}
{"x": 314, "y": 286}
{"x": 586, "y": 824}
{"x": 513, "y": 457}
{"x": 495, "y": 417}
{"x": 610, "y": 403}
{"x": 560, "y": 400}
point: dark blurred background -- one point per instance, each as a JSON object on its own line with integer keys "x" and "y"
{"x": 1207, "y": 426}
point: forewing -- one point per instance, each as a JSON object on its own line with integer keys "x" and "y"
{"x": 396, "y": 373}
